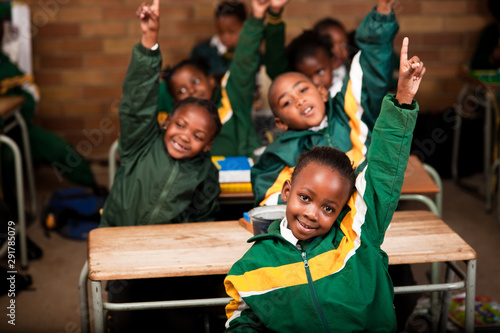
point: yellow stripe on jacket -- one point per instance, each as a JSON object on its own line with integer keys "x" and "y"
{"x": 354, "y": 110}
{"x": 225, "y": 110}
{"x": 275, "y": 189}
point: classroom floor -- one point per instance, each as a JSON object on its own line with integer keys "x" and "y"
{"x": 51, "y": 304}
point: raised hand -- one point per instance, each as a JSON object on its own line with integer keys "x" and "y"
{"x": 410, "y": 75}
{"x": 259, "y": 8}
{"x": 385, "y": 6}
{"x": 277, "y": 5}
{"x": 150, "y": 22}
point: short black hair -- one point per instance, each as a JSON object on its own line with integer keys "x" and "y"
{"x": 328, "y": 22}
{"x": 207, "y": 105}
{"x": 232, "y": 8}
{"x": 199, "y": 63}
{"x": 330, "y": 157}
{"x": 306, "y": 45}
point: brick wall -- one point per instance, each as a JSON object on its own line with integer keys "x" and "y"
{"x": 82, "y": 48}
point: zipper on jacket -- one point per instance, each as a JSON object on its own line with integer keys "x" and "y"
{"x": 166, "y": 190}
{"x": 313, "y": 291}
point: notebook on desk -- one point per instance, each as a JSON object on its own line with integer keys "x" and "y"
{"x": 234, "y": 173}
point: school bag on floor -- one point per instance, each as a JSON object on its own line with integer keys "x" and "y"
{"x": 73, "y": 212}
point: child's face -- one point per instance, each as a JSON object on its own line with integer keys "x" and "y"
{"x": 317, "y": 68}
{"x": 228, "y": 29}
{"x": 189, "y": 131}
{"x": 314, "y": 200}
{"x": 340, "y": 45}
{"x": 189, "y": 81}
{"x": 298, "y": 102}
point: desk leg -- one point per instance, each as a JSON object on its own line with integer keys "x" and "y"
{"x": 97, "y": 302}
{"x": 470, "y": 296}
{"x": 28, "y": 159}
{"x": 21, "y": 226}
{"x": 84, "y": 298}
{"x": 445, "y": 307}
{"x": 435, "y": 273}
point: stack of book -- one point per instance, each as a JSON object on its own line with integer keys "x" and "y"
{"x": 234, "y": 173}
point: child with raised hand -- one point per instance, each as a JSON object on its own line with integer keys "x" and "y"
{"x": 321, "y": 268}
{"x": 234, "y": 95}
{"x": 166, "y": 174}
{"x": 219, "y": 50}
{"x": 347, "y": 120}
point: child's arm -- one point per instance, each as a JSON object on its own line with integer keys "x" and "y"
{"x": 238, "y": 87}
{"x": 275, "y": 58}
{"x": 374, "y": 37}
{"x": 138, "y": 107}
{"x": 380, "y": 183}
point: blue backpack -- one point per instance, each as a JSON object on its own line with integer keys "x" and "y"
{"x": 73, "y": 212}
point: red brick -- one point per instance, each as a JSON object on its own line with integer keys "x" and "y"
{"x": 58, "y": 30}
{"x": 98, "y": 93}
{"x": 103, "y": 29}
{"x": 448, "y": 8}
{"x": 50, "y": 46}
{"x": 80, "y": 14}
{"x": 83, "y": 77}
{"x": 120, "y": 12}
{"x": 305, "y": 10}
{"x": 405, "y": 8}
{"x": 49, "y": 109}
{"x": 60, "y": 93}
{"x": 442, "y": 38}
{"x": 82, "y": 45}
{"x": 47, "y": 62}
{"x": 84, "y": 108}
{"x": 47, "y": 78}
{"x": 106, "y": 61}
{"x": 67, "y": 123}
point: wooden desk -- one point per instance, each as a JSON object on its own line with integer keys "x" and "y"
{"x": 212, "y": 247}
{"x": 10, "y": 103}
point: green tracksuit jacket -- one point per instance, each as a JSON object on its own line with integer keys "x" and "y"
{"x": 234, "y": 96}
{"x": 351, "y": 112}
{"x": 339, "y": 283}
{"x": 150, "y": 187}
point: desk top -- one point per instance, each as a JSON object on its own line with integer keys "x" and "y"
{"x": 212, "y": 247}
{"x": 183, "y": 249}
{"x": 9, "y": 103}
{"x": 422, "y": 237}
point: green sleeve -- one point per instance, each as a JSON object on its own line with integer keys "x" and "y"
{"x": 374, "y": 38}
{"x": 387, "y": 160}
{"x": 240, "y": 87}
{"x": 247, "y": 322}
{"x": 138, "y": 108}
{"x": 9, "y": 70}
{"x": 205, "y": 203}
{"x": 165, "y": 100}
{"x": 275, "y": 58}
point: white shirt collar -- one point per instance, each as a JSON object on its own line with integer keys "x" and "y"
{"x": 287, "y": 233}
{"x": 216, "y": 42}
{"x": 323, "y": 124}
{"x": 338, "y": 76}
